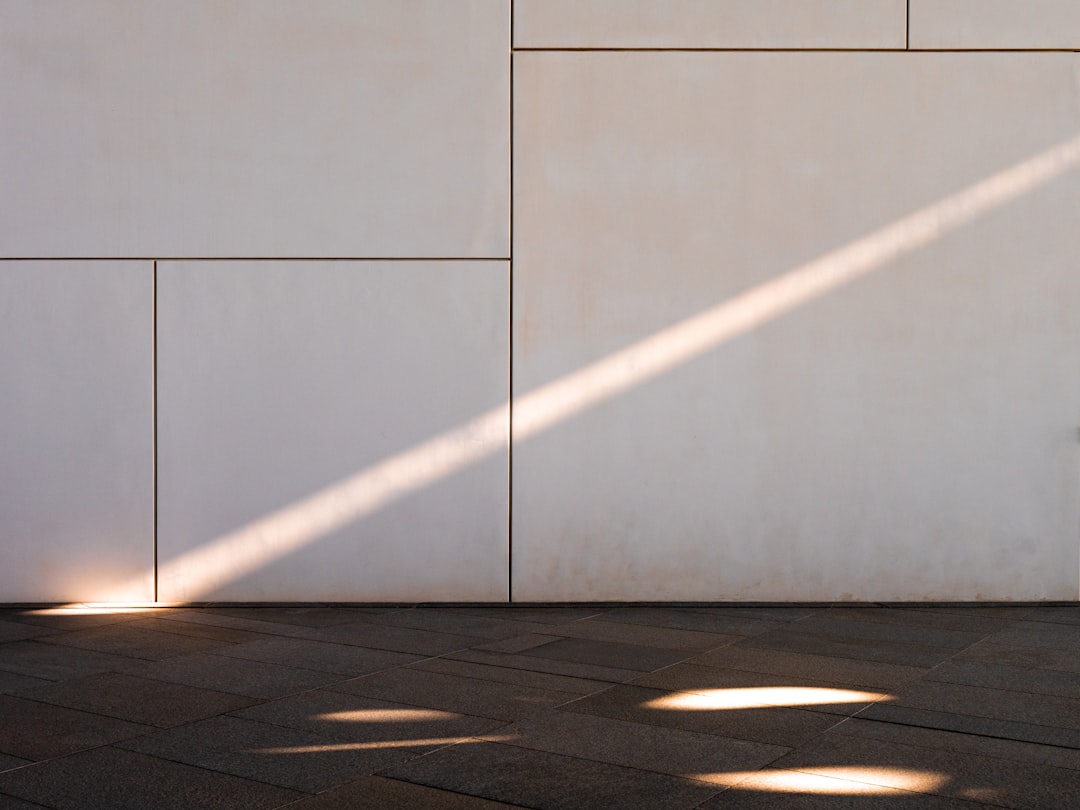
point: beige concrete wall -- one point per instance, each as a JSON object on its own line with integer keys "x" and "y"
{"x": 787, "y": 324}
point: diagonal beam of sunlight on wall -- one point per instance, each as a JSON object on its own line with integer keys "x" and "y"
{"x": 234, "y": 555}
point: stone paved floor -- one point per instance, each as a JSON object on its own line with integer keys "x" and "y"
{"x": 567, "y": 707}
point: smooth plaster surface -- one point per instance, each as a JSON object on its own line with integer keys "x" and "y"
{"x": 988, "y": 24}
{"x": 76, "y": 431}
{"x": 279, "y": 381}
{"x": 709, "y": 23}
{"x": 254, "y": 128}
{"x": 911, "y": 434}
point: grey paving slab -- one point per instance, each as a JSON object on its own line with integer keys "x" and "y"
{"x": 436, "y": 690}
{"x": 458, "y": 622}
{"x": 139, "y": 700}
{"x": 553, "y": 666}
{"x": 18, "y": 631}
{"x": 635, "y": 745}
{"x": 960, "y": 743}
{"x": 396, "y": 639}
{"x": 11, "y": 803}
{"x": 1056, "y": 615}
{"x": 1010, "y": 612}
{"x": 608, "y": 654}
{"x": 995, "y": 704}
{"x": 380, "y": 793}
{"x": 134, "y": 642}
{"x": 519, "y": 677}
{"x": 850, "y": 626}
{"x": 702, "y": 620}
{"x": 803, "y": 791}
{"x": 343, "y": 659}
{"x": 114, "y": 779}
{"x": 971, "y": 724}
{"x": 229, "y": 635}
{"x": 791, "y": 613}
{"x": 1021, "y": 655}
{"x": 1040, "y": 634}
{"x": 1007, "y": 676}
{"x": 62, "y": 619}
{"x": 920, "y": 617}
{"x": 36, "y": 731}
{"x": 208, "y": 618}
{"x": 517, "y": 644}
{"x": 773, "y": 725}
{"x": 539, "y": 779}
{"x": 860, "y": 649}
{"x": 664, "y": 638}
{"x": 12, "y": 683}
{"x": 355, "y": 720}
{"x": 8, "y": 762}
{"x": 965, "y": 776}
{"x": 302, "y": 616}
{"x": 842, "y": 672}
{"x": 276, "y": 755}
{"x": 57, "y": 662}
{"x": 256, "y": 679}
{"x": 780, "y": 690}
{"x": 542, "y": 615}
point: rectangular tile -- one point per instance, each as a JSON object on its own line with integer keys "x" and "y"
{"x": 945, "y": 720}
{"x": 34, "y": 730}
{"x": 139, "y": 700}
{"x": 773, "y": 725}
{"x": 921, "y": 617}
{"x": 379, "y": 793}
{"x": 125, "y": 780}
{"x": 135, "y": 642}
{"x": 1036, "y": 657}
{"x": 700, "y": 620}
{"x": 994, "y": 704}
{"x": 809, "y": 791}
{"x": 76, "y": 358}
{"x": 668, "y": 638}
{"x": 709, "y": 24}
{"x": 1006, "y": 676}
{"x": 453, "y": 693}
{"x": 340, "y": 659}
{"x": 521, "y": 677}
{"x": 58, "y": 662}
{"x": 272, "y": 376}
{"x": 860, "y": 649}
{"x": 608, "y": 654}
{"x": 633, "y": 745}
{"x": 990, "y": 24}
{"x": 256, "y": 679}
{"x": 160, "y": 129}
{"x": 846, "y": 626}
{"x": 573, "y": 669}
{"x": 819, "y": 245}
{"x": 539, "y": 779}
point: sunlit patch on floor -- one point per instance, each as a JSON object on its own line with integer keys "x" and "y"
{"x": 849, "y": 780}
{"x": 759, "y": 697}
{"x": 373, "y": 745}
{"x": 386, "y": 716}
{"x": 94, "y": 609}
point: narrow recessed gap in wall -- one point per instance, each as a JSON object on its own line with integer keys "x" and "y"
{"x": 510, "y": 342}
{"x": 154, "y": 413}
{"x": 907, "y": 27}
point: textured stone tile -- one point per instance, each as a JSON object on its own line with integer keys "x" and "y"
{"x": 665, "y": 638}
{"x": 1039, "y": 634}
{"x": 342, "y": 659}
{"x": 460, "y": 622}
{"x": 608, "y": 654}
{"x": 806, "y": 791}
{"x": 135, "y": 642}
{"x": 703, "y": 620}
{"x": 994, "y": 24}
{"x": 113, "y": 779}
{"x": 778, "y": 690}
{"x": 541, "y": 614}
{"x": 994, "y": 704}
{"x": 366, "y": 722}
{"x": 1056, "y": 615}
{"x": 256, "y": 679}
{"x": 958, "y": 775}
{"x": 56, "y": 662}
{"x": 553, "y": 666}
{"x": 1006, "y": 676}
{"x": 509, "y": 675}
{"x": 452, "y": 693}
{"x": 16, "y": 631}
{"x": 139, "y": 700}
{"x": 973, "y": 724}
{"x": 826, "y": 669}
{"x": 635, "y": 745}
{"x": 517, "y": 643}
{"x": 8, "y": 762}
{"x": 379, "y": 793}
{"x": 74, "y": 619}
{"x": 301, "y": 616}
{"x": 399, "y": 639}
{"x": 273, "y": 754}
{"x": 203, "y": 616}
{"x": 11, "y": 803}
{"x": 709, "y": 24}
{"x": 227, "y": 635}
{"x": 12, "y": 683}
{"x": 920, "y": 617}
{"x": 1022, "y": 655}
{"x": 772, "y": 725}
{"x": 33, "y": 730}
{"x": 882, "y": 651}
{"x": 960, "y": 743}
{"x": 539, "y": 779}
{"x": 847, "y": 627}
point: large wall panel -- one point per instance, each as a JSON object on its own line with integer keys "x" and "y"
{"x": 333, "y": 431}
{"x": 989, "y": 24}
{"x": 796, "y": 326}
{"x": 254, "y": 128}
{"x": 76, "y": 431}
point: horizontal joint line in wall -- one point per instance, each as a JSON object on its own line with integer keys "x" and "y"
{"x": 795, "y": 50}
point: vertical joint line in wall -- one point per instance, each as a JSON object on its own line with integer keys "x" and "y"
{"x": 510, "y": 335}
{"x": 154, "y": 416}
{"x": 907, "y": 26}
